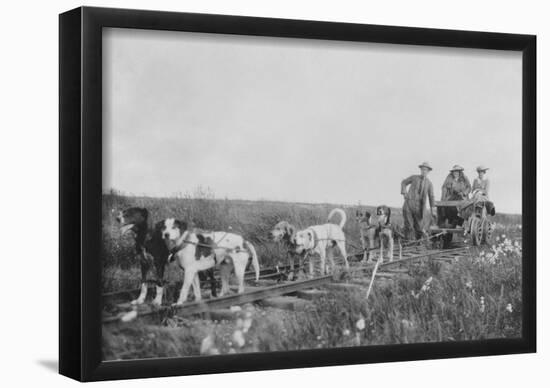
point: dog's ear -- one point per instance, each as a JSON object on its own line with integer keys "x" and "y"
{"x": 181, "y": 225}
{"x": 389, "y": 216}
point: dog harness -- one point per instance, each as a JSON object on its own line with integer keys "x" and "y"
{"x": 214, "y": 246}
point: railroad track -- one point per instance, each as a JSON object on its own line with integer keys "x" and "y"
{"x": 255, "y": 294}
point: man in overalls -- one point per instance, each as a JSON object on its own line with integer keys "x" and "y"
{"x": 416, "y": 214}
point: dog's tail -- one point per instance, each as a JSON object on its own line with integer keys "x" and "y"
{"x": 343, "y": 216}
{"x": 254, "y": 255}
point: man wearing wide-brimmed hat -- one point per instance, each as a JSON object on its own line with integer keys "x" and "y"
{"x": 420, "y": 194}
{"x": 481, "y": 182}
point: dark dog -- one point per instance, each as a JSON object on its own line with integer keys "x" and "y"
{"x": 150, "y": 248}
{"x": 388, "y": 231}
{"x": 367, "y": 231}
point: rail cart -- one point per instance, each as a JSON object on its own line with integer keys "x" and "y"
{"x": 466, "y": 217}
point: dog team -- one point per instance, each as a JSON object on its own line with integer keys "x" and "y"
{"x": 197, "y": 251}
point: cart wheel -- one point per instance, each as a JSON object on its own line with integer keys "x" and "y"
{"x": 488, "y": 229}
{"x": 476, "y": 231}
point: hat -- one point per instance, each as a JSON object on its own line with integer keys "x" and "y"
{"x": 482, "y": 168}
{"x": 456, "y": 167}
{"x": 425, "y": 165}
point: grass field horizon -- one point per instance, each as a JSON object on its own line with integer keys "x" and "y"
{"x": 206, "y": 193}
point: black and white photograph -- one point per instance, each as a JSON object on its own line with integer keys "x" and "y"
{"x": 213, "y": 193}
{"x": 265, "y": 194}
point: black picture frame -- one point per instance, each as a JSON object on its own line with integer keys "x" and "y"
{"x": 80, "y": 171}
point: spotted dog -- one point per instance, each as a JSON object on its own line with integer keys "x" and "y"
{"x": 388, "y": 231}
{"x": 150, "y": 249}
{"x": 368, "y": 232}
{"x": 322, "y": 239}
{"x": 199, "y": 251}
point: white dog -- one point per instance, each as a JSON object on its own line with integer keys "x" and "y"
{"x": 322, "y": 239}
{"x": 199, "y": 251}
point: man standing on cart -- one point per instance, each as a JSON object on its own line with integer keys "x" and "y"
{"x": 418, "y": 208}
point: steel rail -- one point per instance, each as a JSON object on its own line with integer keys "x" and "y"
{"x": 203, "y": 306}
{"x": 444, "y": 253}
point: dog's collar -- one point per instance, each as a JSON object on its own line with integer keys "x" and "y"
{"x": 182, "y": 242}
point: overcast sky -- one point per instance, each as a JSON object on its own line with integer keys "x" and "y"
{"x": 304, "y": 120}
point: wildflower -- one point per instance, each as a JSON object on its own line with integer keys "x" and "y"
{"x": 427, "y": 284}
{"x": 360, "y": 324}
{"x": 207, "y": 344}
{"x": 247, "y": 324}
{"x": 235, "y": 308}
{"x": 509, "y": 307}
{"x": 469, "y": 284}
{"x": 239, "y": 323}
{"x": 454, "y": 299}
{"x": 516, "y": 244}
{"x": 497, "y": 238}
{"x": 238, "y": 338}
{"x": 482, "y": 304}
{"x": 346, "y": 332}
{"x": 130, "y": 316}
{"x": 503, "y": 236}
{"x": 319, "y": 338}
